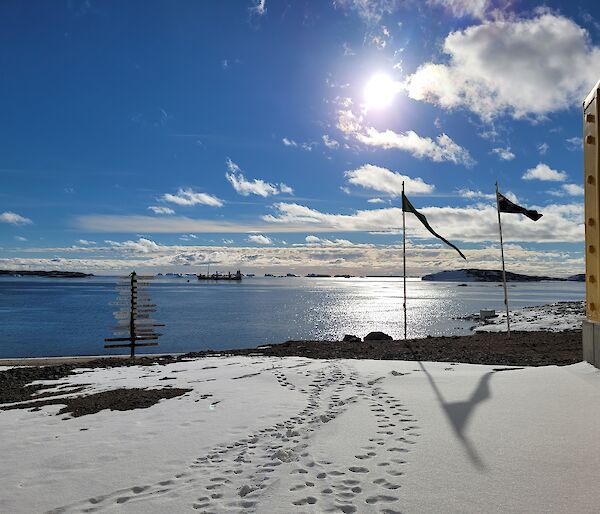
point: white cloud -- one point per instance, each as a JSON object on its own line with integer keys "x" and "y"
{"x": 477, "y": 223}
{"x": 318, "y": 241}
{"x": 289, "y": 142}
{"x": 323, "y": 254}
{"x": 260, "y": 239}
{"x": 255, "y": 187}
{"x": 259, "y": 7}
{"x": 573, "y": 189}
{"x": 247, "y": 187}
{"x": 142, "y": 245}
{"x": 305, "y": 146}
{"x": 386, "y": 181}
{"x": 544, "y": 172}
{"x": 189, "y": 197}
{"x": 574, "y": 144}
{"x": 348, "y": 122}
{"x": 376, "y": 200}
{"x": 462, "y": 8}
{"x": 379, "y": 37}
{"x": 504, "y": 153}
{"x": 188, "y": 237}
{"x": 156, "y": 209}
{"x": 14, "y": 219}
{"x": 330, "y": 143}
{"x": 232, "y": 166}
{"x": 86, "y": 242}
{"x": 20, "y": 238}
{"x": 371, "y": 11}
{"x": 568, "y": 190}
{"x": 467, "y": 193}
{"x": 357, "y": 259}
{"x": 285, "y": 189}
{"x": 520, "y": 67}
{"x": 443, "y": 149}
{"x": 543, "y": 148}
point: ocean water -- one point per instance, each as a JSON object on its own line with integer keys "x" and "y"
{"x": 58, "y": 317}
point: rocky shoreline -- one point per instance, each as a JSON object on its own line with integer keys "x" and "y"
{"x": 47, "y": 274}
{"x": 522, "y": 349}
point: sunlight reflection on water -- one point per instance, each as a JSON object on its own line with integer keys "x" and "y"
{"x": 54, "y": 317}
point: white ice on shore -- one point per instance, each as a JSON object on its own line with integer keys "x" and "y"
{"x": 554, "y": 317}
{"x": 291, "y": 435}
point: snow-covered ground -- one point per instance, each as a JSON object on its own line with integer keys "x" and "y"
{"x": 290, "y": 435}
{"x": 554, "y": 317}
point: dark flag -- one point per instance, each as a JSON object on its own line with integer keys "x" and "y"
{"x": 408, "y": 207}
{"x": 505, "y": 205}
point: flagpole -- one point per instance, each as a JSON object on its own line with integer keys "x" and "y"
{"x": 404, "y": 258}
{"x": 503, "y": 267}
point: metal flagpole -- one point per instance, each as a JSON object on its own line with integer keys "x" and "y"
{"x": 503, "y": 268}
{"x": 404, "y": 258}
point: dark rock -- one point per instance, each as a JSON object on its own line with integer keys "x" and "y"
{"x": 485, "y": 275}
{"x": 378, "y": 336}
{"x": 351, "y": 339}
{"x": 49, "y": 274}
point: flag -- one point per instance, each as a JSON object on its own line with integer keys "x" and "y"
{"x": 505, "y": 205}
{"x": 408, "y": 207}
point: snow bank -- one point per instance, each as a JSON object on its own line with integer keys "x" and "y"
{"x": 554, "y": 317}
{"x": 286, "y": 435}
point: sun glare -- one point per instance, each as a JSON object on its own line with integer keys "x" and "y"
{"x": 380, "y": 91}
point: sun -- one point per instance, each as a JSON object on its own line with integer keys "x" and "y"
{"x": 380, "y": 91}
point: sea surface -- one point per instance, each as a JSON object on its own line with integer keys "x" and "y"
{"x": 59, "y": 317}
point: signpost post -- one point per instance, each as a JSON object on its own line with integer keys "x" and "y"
{"x": 133, "y": 319}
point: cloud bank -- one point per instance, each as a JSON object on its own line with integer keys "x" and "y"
{"x": 518, "y": 67}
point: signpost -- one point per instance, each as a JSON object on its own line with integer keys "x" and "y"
{"x": 133, "y": 319}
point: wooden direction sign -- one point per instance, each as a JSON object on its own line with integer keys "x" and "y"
{"x": 133, "y": 320}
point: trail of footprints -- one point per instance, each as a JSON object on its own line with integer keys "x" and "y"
{"x": 232, "y": 476}
{"x": 380, "y": 462}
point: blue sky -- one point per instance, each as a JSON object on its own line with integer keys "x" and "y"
{"x": 275, "y": 135}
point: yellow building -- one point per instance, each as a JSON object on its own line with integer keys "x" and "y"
{"x": 591, "y": 162}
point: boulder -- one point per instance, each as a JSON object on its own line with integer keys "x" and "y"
{"x": 351, "y": 339}
{"x": 378, "y": 336}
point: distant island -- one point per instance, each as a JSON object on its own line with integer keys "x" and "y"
{"x": 49, "y": 274}
{"x": 492, "y": 275}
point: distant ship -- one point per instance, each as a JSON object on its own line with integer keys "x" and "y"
{"x": 219, "y": 276}
{"x": 175, "y": 275}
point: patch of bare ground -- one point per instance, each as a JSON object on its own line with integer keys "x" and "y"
{"x": 117, "y": 399}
